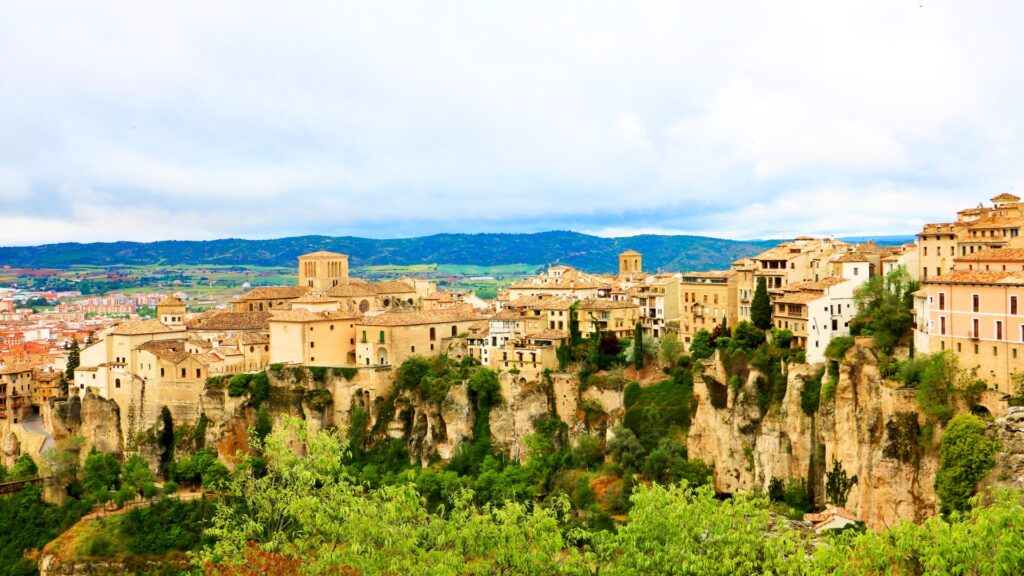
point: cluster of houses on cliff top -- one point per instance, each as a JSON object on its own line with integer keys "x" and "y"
{"x": 972, "y": 272}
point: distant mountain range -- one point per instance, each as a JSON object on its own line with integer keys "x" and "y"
{"x": 591, "y": 253}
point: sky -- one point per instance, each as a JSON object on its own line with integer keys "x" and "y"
{"x": 201, "y": 120}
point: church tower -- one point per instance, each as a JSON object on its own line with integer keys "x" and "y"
{"x": 323, "y": 270}
{"x": 630, "y": 263}
{"x": 171, "y": 311}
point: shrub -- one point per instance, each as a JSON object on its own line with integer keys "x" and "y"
{"x": 700, "y": 345}
{"x": 967, "y": 454}
{"x": 810, "y": 396}
{"x": 746, "y": 336}
{"x": 782, "y": 338}
{"x": 319, "y": 373}
{"x": 347, "y": 373}
{"x": 624, "y": 447}
{"x": 239, "y": 384}
{"x": 837, "y": 348}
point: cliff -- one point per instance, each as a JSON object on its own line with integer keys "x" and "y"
{"x": 869, "y": 425}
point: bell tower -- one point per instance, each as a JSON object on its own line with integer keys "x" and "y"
{"x": 630, "y": 263}
{"x": 323, "y": 270}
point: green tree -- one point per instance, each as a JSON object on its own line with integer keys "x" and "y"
{"x": 638, "y": 347}
{"x": 100, "y": 475}
{"x": 166, "y": 441}
{"x": 700, "y": 346}
{"x": 967, "y": 454}
{"x": 747, "y": 336}
{"x": 761, "y": 306}
{"x": 24, "y": 468}
{"x": 838, "y": 484}
{"x": 137, "y": 474}
{"x": 625, "y": 448}
{"x": 669, "y": 349}
{"x": 884, "y": 308}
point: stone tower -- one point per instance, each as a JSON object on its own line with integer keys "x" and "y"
{"x": 630, "y": 263}
{"x": 323, "y": 270}
{"x": 171, "y": 311}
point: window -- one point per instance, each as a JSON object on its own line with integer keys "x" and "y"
{"x": 455, "y": 331}
{"x": 433, "y": 335}
{"x": 117, "y": 383}
{"x": 942, "y": 325}
{"x": 999, "y": 329}
{"x": 381, "y": 336}
{"x": 942, "y": 300}
{"x": 1013, "y": 305}
{"x": 162, "y": 370}
{"x": 312, "y": 344}
{"x": 974, "y": 328}
{"x": 182, "y": 372}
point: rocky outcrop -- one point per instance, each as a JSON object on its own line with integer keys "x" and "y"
{"x": 1009, "y": 469}
{"x": 523, "y": 403}
{"x": 869, "y": 425}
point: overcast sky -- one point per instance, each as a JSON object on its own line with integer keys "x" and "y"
{"x": 198, "y": 120}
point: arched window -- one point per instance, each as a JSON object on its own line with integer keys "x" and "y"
{"x": 455, "y": 331}
{"x": 364, "y": 306}
{"x": 117, "y": 383}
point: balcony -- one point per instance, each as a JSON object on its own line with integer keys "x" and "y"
{"x": 972, "y": 334}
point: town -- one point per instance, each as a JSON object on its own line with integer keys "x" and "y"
{"x": 969, "y": 271}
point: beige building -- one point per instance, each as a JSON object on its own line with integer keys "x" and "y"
{"x": 392, "y": 337}
{"x": 630, "y": 264}
{"x": 323, "y": 270}
{"x": 321, "y": 338}
{"x": 15, "y": 392}
{"x": 565, "y": 282}
{"x": 707, "y": 298}
{"x": 603, "y": 315}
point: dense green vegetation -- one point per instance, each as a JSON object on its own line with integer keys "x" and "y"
{"x": 885, "y": 308}
{"x": 305, "y": 514}
{"x": 588, "y": 252}
{"x": 967, "y": 455}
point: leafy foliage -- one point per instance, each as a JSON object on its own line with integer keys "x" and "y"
{"x": 761, "y": 306}
{"x": 967, "y": 455}
{"x": 884, "y": 308}
{"x": 700, "y": 345}
{"x": 838, "y": 484}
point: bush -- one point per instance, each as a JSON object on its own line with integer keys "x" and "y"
{"x": 239, "y": 384}
{"x": 837, "y": 348}
{"x": 319, "y": 373}
{"x": 746, "y": 336}
{"x": 588, "y": 452}
{"x": 782, "y": 338}
{"x": 624, "y": 447}
{"x": 700, "y": 345}
{"x": 810, "y": 396}
{"x": 345, "y": 372}
{"x": 966, "y": 456}
{"x": 170, "y": 487}
{"x": 100, "y": 475}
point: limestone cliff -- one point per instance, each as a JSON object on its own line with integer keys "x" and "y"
{"x": 869, "y": 425}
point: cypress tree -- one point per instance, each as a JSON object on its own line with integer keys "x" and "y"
{"x": 638, "y": 348}
{"x": 761, "y": 306}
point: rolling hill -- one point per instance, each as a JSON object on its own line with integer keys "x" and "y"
{"x": 592, "y": 253}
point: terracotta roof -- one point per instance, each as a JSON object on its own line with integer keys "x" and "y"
{"x": 505, "y": 315}
{"x": 274, "y": 293}
{"x": 416, "y": 317}
{"x": 798, "y": 298}
{"x": 133, "y": 328}
{"x": 1006, "y": 197}
{"x": 225, "y": 320}
{"x": 548, "y": 334}
{"x": 541, "y": 302}
{"x": 323, "y": 255}
{"x": 15, "y": 369}
{"x": 315, "y": 297}
{"x": 303, "y": 315}
{"x": 979, "y": 277}
{"x": 391, "y": 287}
{"x": 171, "y": 350}
{"x": 994, "y": 255}
{"x": 352, "y": 290}
{"x": 603, "y": 304}
{"x": 630, "y": 253}
{"x": 171, "y": 300}
{"x": 996, "y": 222}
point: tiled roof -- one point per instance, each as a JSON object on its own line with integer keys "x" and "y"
{"x": 995, "y": 255}
{"x": 171, "y": 350}
{"x": 225, "y": 320}
{"x": 352, "y": 290}
{"x": 412, "y": 318}
{"x": 1006, "y": 197}
{"x": 274, "y": 293}
{"x": 630, "y": 253}
{"x": 542, "y": 302}
{"x": 996, "y": 222}
{"x": 171, "y": 300}
{"x": 323, "y": 255}
{"x": 15, "y": 369}
{"x": 979, "y": 277}
{"x": 604, "y": 304}
{"x": 315, "y": 297}
{"x": 505, "y": 315}
{"x": 798, "y": 298}
{"x": 548, "y": 334}
{"x": 303, "y": 315}
{"x": 133, "y": 328}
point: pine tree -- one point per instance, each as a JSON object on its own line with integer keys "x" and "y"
{"x": 761, "y": 306}
{"x": 638, "y": 348}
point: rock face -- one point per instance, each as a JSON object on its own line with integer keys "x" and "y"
{"x": 869, "y": 426}
{"x": 1009, "y": 469}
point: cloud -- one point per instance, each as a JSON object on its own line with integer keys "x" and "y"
{"x": 192, "y": 120}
